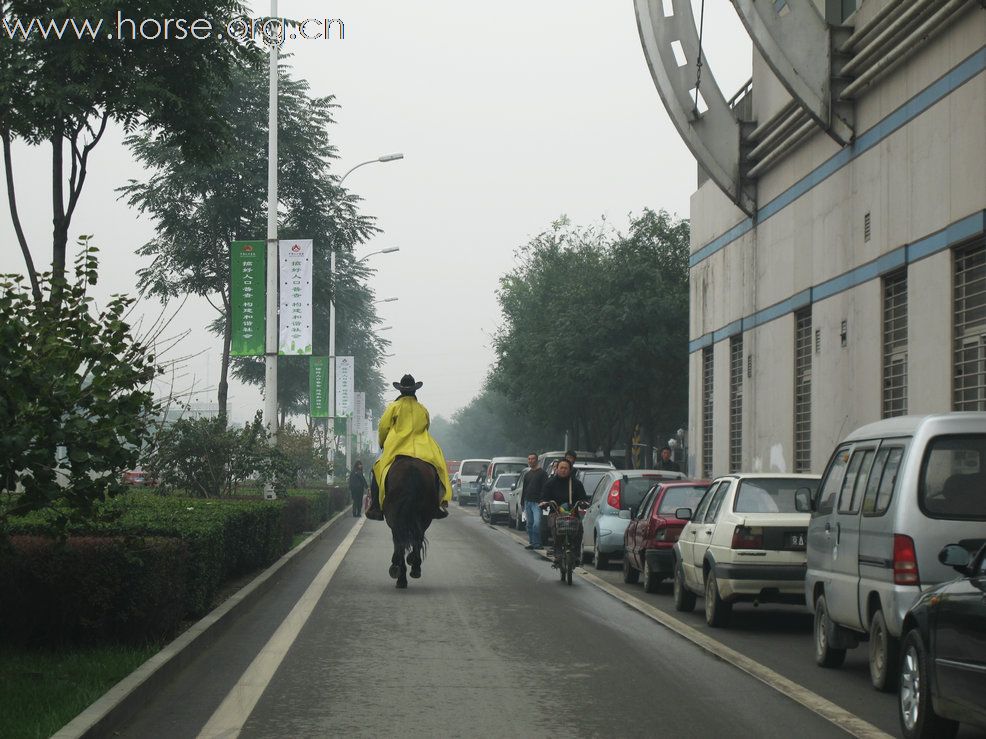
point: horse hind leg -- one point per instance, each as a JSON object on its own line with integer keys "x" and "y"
{"x": 414, "y": 559}
{"x": 396, "y": 562}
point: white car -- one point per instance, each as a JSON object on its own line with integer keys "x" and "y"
{"x": 746, "y": 541}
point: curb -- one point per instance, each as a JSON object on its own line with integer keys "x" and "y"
{"x": 832, "y": 712}
{"x": 123, "y": 700}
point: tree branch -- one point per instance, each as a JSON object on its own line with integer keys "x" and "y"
{"x": 8, "y": 164}
{"x": 76, "y": 190}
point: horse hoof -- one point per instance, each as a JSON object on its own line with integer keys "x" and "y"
{"x": 415, "y": 572}
{"x": 394, "y": 571}
{"x": 401, "y": 584}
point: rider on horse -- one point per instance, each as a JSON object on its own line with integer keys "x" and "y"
{"x": 404, "y": 432}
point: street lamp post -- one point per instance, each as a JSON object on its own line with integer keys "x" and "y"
{"x": 270, "y": 343}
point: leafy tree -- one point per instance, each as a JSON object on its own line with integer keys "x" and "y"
{"x": 76, "y": 405}
{"x": 199, "y": 208}
{"x": 64, "y": 92}
{"x": 207, "y": 459}
{"x": 594, "y": 332}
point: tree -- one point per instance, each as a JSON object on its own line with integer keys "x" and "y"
{"x": 200, "y": 208}
{"x": 624, "y": 365}
{"x": 63, "y": 90}
{"x": 76, "y": 405}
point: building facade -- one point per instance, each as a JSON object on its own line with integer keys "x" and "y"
{"x": 839, "y": 277}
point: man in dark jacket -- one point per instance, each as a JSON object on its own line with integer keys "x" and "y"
{"x": 357, "y": 488}
{"x": 530, "y": 496}
{"x": 666, "y": 463}
{"x": 564, "y": 490}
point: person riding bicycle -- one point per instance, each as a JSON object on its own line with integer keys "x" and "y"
{"x": 565, "y": 492}
{"x": 404, "y": 432}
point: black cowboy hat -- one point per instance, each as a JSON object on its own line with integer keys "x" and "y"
{"x": 408, "y": 385}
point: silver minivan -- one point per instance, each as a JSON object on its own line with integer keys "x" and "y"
{"x": 893, "y": 495}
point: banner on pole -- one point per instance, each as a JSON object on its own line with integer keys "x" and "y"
{"x": 345, "y": 386}
{"x": 296, "y": 296}
{"x": 248, "y": 290}
{"x": 318, "y": 387}
{"x": 359, "y": 412}
{"x": 339, "y": 426}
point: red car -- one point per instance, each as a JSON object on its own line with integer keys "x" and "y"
{"x": 653, "y": 530}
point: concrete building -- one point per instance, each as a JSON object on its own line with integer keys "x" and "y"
{"x": 838, "y": 265}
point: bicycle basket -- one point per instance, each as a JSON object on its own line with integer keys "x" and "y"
{"x": 567, "y": 524}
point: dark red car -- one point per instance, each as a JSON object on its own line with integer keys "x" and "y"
{"x": 653, "y": 530}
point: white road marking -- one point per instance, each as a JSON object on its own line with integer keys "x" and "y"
{"x": 229, "y": 719}
{"x": 840, "y": 717}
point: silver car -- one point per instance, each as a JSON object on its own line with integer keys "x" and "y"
{"x": 613, "y": 502}
{"x": 893, "y": 495}
{"x": 493, "y": 507}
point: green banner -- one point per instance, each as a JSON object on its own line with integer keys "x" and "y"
{"x": 340, "y": 426}
{"x": 249, "y": 293}
{"x": 318, "y": 386}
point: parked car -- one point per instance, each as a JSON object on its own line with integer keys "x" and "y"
{"x": 942, "y": 672}
{"x": 648, "y": 543}
{"x": 493, "y": 506}
{"x": 745, "y": 542}
{"x": 894, "y": 493}
{"x": 497, "y": 467}
{"x": 470, "y": 475}
{"x": 616, "y": 493}
{"x": 549, "y": 458}
{"x": 452, "y": 465}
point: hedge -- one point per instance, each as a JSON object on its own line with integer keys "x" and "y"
{"x": 88, "y": 589}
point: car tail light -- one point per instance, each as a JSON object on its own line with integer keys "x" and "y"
{"x": 497, "y": 495}
{"x": 613, "y": 499}
{"x": 747, "y": 537}
{"x": 905, "y": 561}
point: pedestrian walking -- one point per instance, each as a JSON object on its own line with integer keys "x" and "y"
{"x": 357, "y": 488}
{"x": 666, "y": 463}
{"x": 530, "y": 497}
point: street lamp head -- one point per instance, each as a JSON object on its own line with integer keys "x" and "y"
{"x": 386, "y": 300}
{"x": 390, "y": 157}
{"x": 384, "y": 328}
{"x": 390, "y": 250}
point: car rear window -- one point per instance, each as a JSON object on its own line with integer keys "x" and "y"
{"x": 503, "y": 467}
{"x": 472, "y": 469}
{"x": 633, "y": 490}
{"x": 505, "y": 481}
{"x": 953, "y": 477}
{"x": 770, "y": 495}
{"x": 683, "y": 497}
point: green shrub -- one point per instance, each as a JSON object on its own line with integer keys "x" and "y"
{"x": 87, "y": 589}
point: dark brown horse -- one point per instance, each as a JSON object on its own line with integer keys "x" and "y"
{"x": 413, "y": 495}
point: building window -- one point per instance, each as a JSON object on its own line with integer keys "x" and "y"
{"x": 707, "y": 412}
{"x": 802, "y": 390}
{"x": 736, "y": 403}
{"x": 895, "y": 344}
{"x": 969, "y": 384}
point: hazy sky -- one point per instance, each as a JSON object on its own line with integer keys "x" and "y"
{"x": 509, "y": 115}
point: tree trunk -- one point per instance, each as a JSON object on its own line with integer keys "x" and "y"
{"x": 224, "y": 371}
{"x": 59, "y": 233}
{"x": 32, "y": 273}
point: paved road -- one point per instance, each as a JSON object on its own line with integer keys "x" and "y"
{"x": 487, "y": 643}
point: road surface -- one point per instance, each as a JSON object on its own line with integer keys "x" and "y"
{"x": 488, "y": 643}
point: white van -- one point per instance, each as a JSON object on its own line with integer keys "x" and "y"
{"x": 893, "y": 495}
{"x": 471, "y": 475}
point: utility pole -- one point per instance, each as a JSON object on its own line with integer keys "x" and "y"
{"x": 270, "y": 356}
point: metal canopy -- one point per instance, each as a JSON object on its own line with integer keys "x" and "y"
{"x": 796, "y": 42}
{"x": 671, "y": 47}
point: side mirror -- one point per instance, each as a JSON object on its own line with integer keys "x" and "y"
{"x": 685, "y": 514}
{"x": 802, "y": 500}
{"x": 957, "y": 557}
{"x": 625, "y": 514}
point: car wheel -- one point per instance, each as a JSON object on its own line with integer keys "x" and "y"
{"x": 599, "y": 560}
{"x": 884, "y": 651}
{"x": 684, "y": 599}
{"x": 918, "y": 719}
{"x": 630, "y": 574}
{"x": 717, "y": 611}
{"x": 483, "y": 514}
{"x": 825, "y": 656}
{"x": 652, "y": 581}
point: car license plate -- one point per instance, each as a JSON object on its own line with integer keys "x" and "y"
{"x": 797, "y": 540}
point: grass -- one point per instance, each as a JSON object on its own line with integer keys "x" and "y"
{"x": 42, "y": 690}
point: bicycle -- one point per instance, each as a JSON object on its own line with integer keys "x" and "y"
{"x": 568, "y": 530}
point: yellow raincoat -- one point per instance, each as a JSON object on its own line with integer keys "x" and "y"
{"x": 404, "y": 432}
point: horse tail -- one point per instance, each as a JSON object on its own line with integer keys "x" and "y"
{"x": 408, "y": 529}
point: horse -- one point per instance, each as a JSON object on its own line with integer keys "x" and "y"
{"x": 413, "y": 496}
